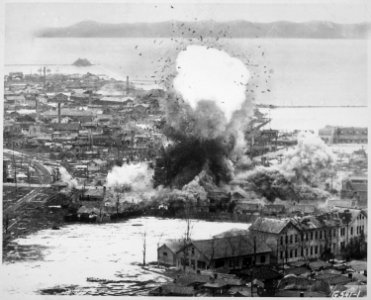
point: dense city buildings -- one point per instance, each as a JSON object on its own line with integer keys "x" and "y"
{"x": 65, "y": 135}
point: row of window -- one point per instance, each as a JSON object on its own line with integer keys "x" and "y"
{"x": 359, "y": 230}
{"x": 351, "y": 140}
{"x": 312, "y": 250}
{"x": 290, "y": 239}
{"x": 233, "y": 263}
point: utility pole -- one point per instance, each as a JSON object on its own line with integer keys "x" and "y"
{"x": 44, "y": 76}
{"x": 286, "y": 252}
{"x": 253, "y": 267}
{"x": 117, "y": 206}
{"x": 15, "y": 171}
{"x": 144, "y": 247}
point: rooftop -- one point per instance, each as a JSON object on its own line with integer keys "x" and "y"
{"x": 230, "y": 247}
{"x": 269, "y": 225}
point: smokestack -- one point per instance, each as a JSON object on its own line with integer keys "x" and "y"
{"x": 59, "y": 113}
{"x": 127, "y": 85}
{"x": 44, "y": 75}
{"x": 90, "y": 95}
{"x": 37, "y": 109}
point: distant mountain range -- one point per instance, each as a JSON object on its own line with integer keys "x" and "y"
{"x": 233, "y": 29}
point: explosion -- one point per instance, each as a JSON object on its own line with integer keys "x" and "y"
{"x": 211, "y": 74}
{"x": 302, "y": 170}
{"x": 205, "y": 119}
{"x": 136, "y": 177}
{"x": 208, "y": 112}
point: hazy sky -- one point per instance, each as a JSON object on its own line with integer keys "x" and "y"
{"x": 23, "y": 17}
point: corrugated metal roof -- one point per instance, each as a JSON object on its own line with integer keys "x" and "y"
{"x": 235, "y": 246}
{"x": 269, "y": 225}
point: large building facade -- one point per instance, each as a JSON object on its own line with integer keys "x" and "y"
{"x": 343, "y": 135}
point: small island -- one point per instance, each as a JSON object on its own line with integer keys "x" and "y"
{"x": 82, "y": 62}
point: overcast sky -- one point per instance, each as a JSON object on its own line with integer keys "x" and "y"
{"x": 22, "y": 17}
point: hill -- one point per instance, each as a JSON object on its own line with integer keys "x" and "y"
{"x": 233, "y": 29}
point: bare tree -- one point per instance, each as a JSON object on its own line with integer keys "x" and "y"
{"x": 212, "y": 253}
{"x": 187, "y": 233}
{"x": 144, "y": 247}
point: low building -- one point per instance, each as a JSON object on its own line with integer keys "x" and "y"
{"x": 274, "y": 209}
{"x": 15, "y": 76}
{"x": 282, "y": 235}
{"x": 248, "y": 206}
{"x": 228, "y": 253}
{"x": 353, "y": 225}
{"x": 166, "y": 254}
{"x": 93, "y": 195}
{"x": 59, "y": 98}
{"x": 343, "y": 135}
{"x": 355, "y": 188}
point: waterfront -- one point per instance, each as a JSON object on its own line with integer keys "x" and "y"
{"x": 75, "y": 252}
{"x": 129, "y": 158}
{"x": 321, "y": 76}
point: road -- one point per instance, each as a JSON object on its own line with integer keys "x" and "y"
{"x": 36, "y": 193}
{"x": 27, "y": 185}
{"x": 41, "y": 171}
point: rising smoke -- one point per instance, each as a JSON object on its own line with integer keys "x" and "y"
{"x": 310, "y": 162}
{"x": 302, "y": 170}
{"x": 137, "y": 177}
{"x": 67, "y": 178}
{"x": 206, "y": 114}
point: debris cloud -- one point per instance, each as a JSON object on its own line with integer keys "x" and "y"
{"x": 138, "y": 176}
{"x": 210, "y": 74}
{"x": 310, "y": 162}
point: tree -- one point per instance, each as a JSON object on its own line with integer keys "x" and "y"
{"x": 356, "y": 249}
{"x": 187, "y": 234}
{"x": 347, "y": 218}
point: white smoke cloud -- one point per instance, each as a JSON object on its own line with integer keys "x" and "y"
{"x": 67, "y": 178}
{"x": 211, "y": 74}
{"x": 310, "y": 159}
{"x": 138, "y": 176}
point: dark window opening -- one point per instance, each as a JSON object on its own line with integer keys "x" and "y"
{"x": 262, "y": 259}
